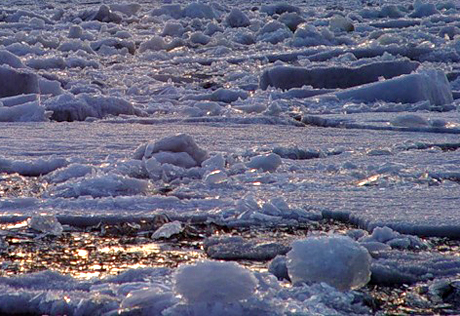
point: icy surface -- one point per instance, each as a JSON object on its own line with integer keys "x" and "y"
{"x": 396, "y": 267}
{"x": 235, "y": 248}
{"x": 417, "y": 161}
{"x": 248, "y": 114}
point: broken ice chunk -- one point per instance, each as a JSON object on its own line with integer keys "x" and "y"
{"x": 127, "y": 9}
{"x": 28, "y": 112}
{"x": 47, "y": 224}
{"x": 7, "y": 58}
{"x": 215, "y": 177}
{"x": 339, "y": 23}
{"x": 393, "y": 239}
{"x": 429, "y": 85}
{"x": 168, "y": 230}
{"x": 399, "y": 243}
{"x": 236, "y": 18}
{"x": 180, "y": 143}
{"x": 216, "y": 162}
{"x": 181, "y": 159}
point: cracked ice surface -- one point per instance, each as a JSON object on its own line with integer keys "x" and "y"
{"x": 374, "y": 178}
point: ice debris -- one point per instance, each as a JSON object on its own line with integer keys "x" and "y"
{"x": 404, "y": 267}
{"x": 339, "y": 23}
{"x": 278, "y": 268}
{"x": 104, "y": 14}
{"x": 66, "y": 173}
{"x": 410, "y": 120}
{"x": 215, "y": 177}
{"x": 7, "y": 58}
{"x": 389, "y": 238}
{"x": 236, "y": 18}
{"x": 27, "y": 112}
{"x": 127, "y": 9}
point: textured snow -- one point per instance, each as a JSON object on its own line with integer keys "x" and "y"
{"x": 364, "y": 205}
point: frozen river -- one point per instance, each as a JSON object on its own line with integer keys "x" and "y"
{"x": 235, "y": 114}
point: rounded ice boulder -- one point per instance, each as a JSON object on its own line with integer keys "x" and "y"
{"x": 236, "y": 18}
{"x": 269, "y": 162}
{"x": 336, "y": 260}
{"x": 214, "y": 281}
{"x": 340, "y": 23}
